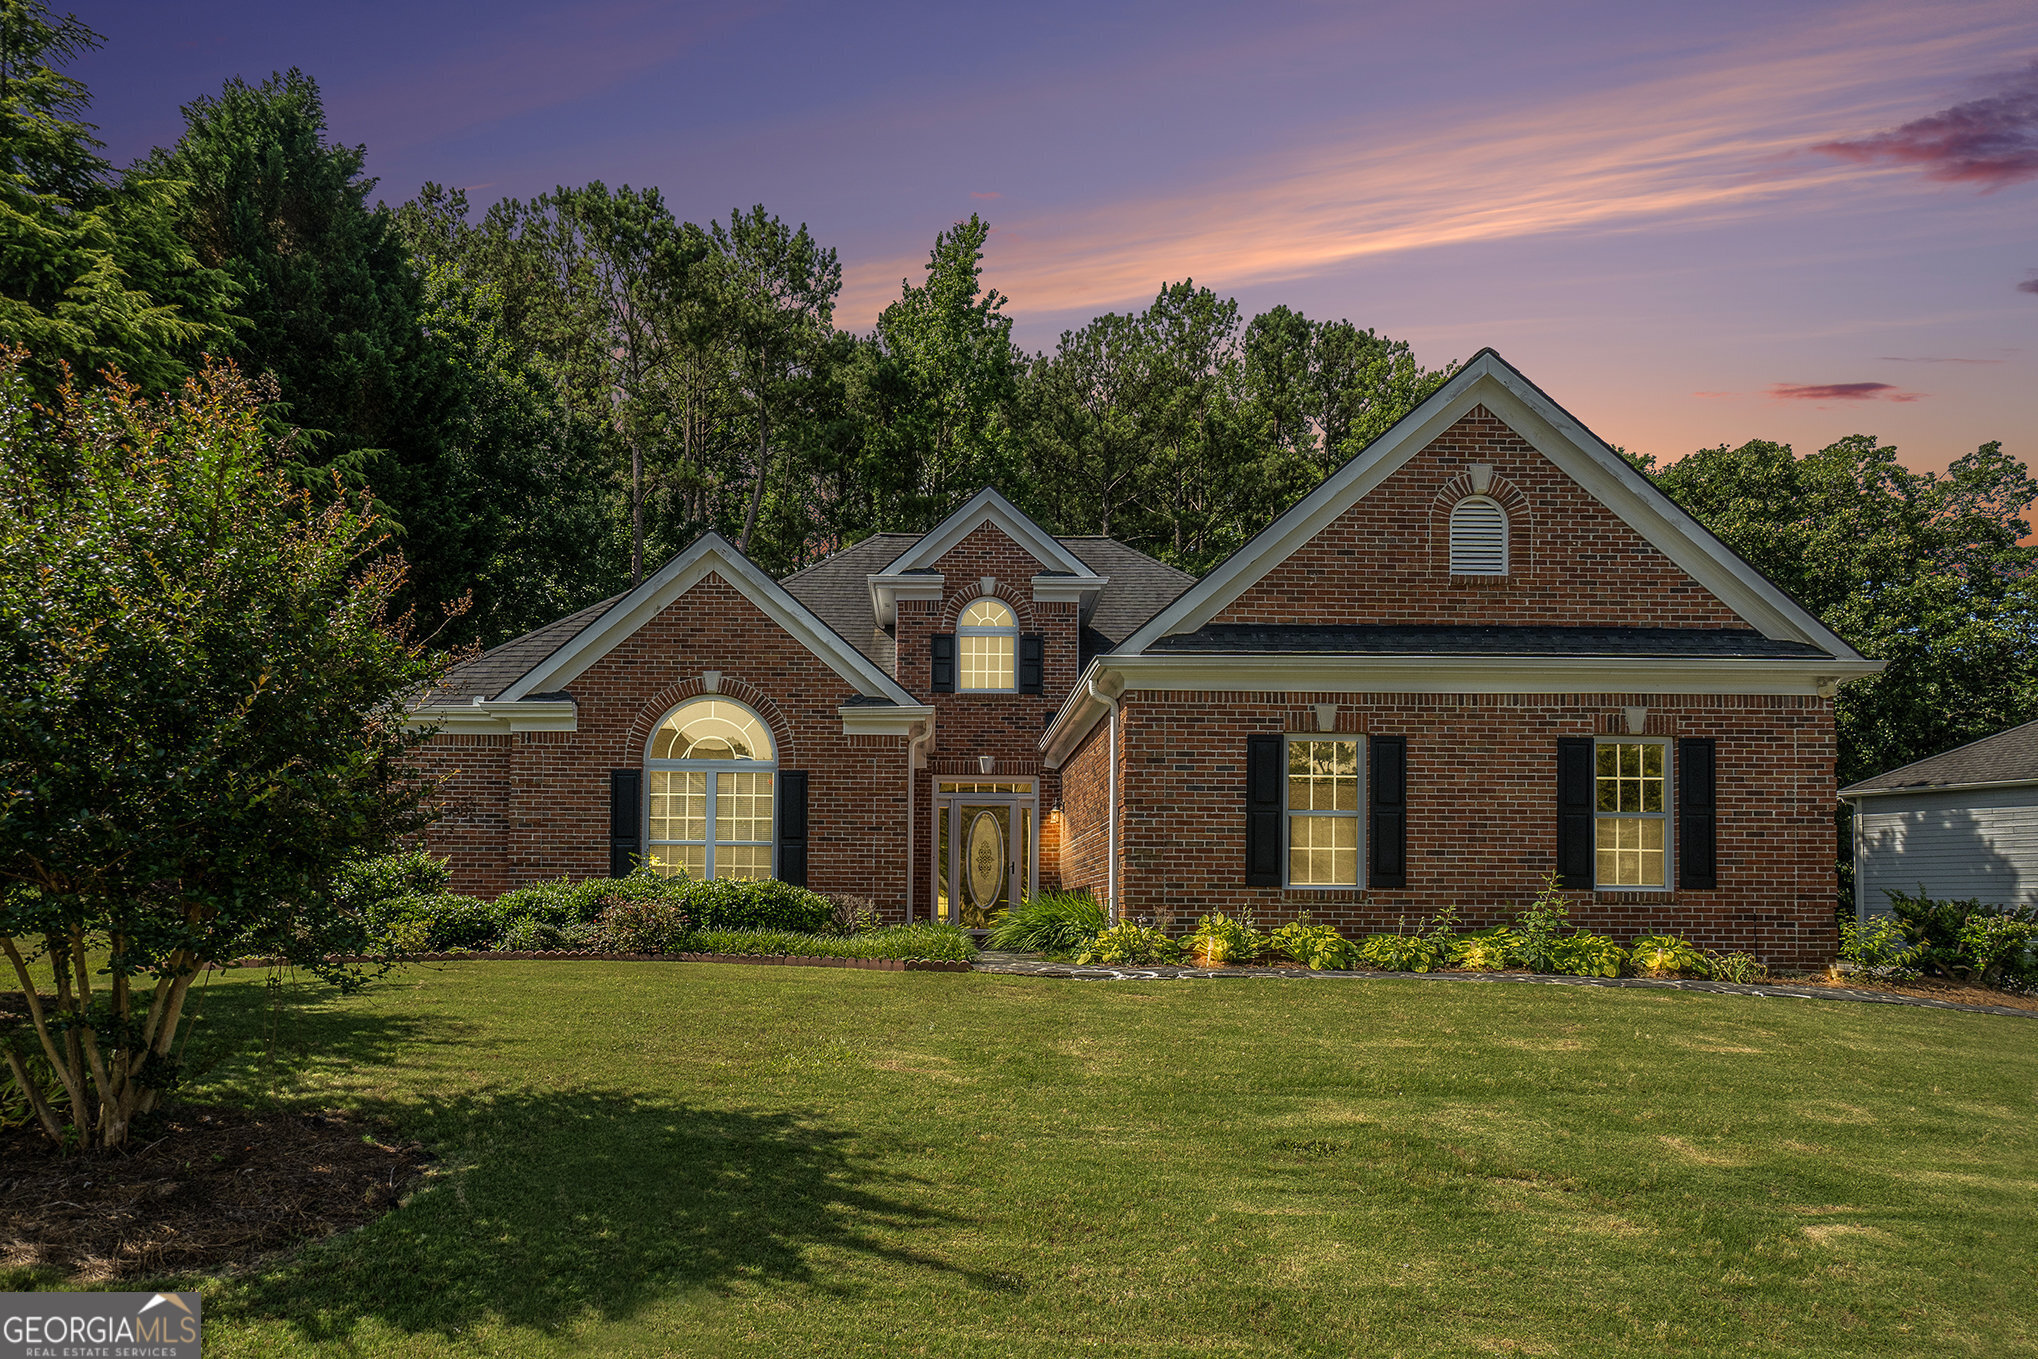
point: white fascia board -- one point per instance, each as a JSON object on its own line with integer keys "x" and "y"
{"x": 1490, "y": 381}
{"x": 1079, "y": 712}
{"x": 1349, "y": 674}
{"x": 1856, "y": 794}
{"x": 988, "y": 507}
{"x": 1082, "y": 591}
{"x": 887, "y": 588}
{"x": 491, "y": 716}
{"x": 903, "y": 719}
{"x": 710, "y": 554}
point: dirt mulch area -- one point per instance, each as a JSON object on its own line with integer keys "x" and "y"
{"x": 1927, "y": 988}
{"x": 200, "y": 1190}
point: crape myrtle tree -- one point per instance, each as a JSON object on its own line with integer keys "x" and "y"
{"x": 201, "y": 720}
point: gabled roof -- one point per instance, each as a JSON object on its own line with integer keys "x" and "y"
{"x": 837, "y": 589}
{"x": 988, "y": 507}
{"x": 2008, "y": 757}
{"x": 1490, "y": 381}
{"x": 553, "y": 656}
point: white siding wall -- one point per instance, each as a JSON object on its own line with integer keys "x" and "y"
{"x": 1979, "y": 843}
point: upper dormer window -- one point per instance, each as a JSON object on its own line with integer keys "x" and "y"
{"x": 1478, "y": 537}
{"x": 987, "y": 646}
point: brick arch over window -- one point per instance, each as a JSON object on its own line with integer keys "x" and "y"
{"x": 1006, "y": 593}
{"x": 1520, "y": 525}
{"x": 637, "y": 737}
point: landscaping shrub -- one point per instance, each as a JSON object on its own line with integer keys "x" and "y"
{"x": 1736, "y": 967}
{"x": 1969, "y": 941}
{"x": 1052, "y": 922}
{"x": 1665, "y": 955}
{"x": 527, "y": 934}
{"x": 919, "y": 940}
{"x": 1218, "y": 940}
{"x": 733, "y": 904}
{"x": 1539, "y": 943}
{"x": 852, "y": 914}
{"x": 1486, "y": 950}
{"x": 1318, "y": 947}
{"x": 364, "y": 885}
{"x": 644, "y": 924}
{"x": 1880, "y": 948}
{"x": 1404, "y": 952}
{"x": 1126, "y": 942}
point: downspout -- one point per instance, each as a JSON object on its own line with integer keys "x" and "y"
{"x": 914, "y": 747}
{"x": 1110, "y": 806}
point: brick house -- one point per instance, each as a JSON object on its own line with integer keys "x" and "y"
{"x": 1483, "y": 651}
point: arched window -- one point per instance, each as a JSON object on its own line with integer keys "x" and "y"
{"x": 709, "y": 781}
{"x": 1478, "y": 537}
{"x": 987, "y": 646}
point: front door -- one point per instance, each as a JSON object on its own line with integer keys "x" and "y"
{"x": 985, "y": 859}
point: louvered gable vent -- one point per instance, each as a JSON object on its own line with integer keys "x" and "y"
{"x": 1478, "y": 537}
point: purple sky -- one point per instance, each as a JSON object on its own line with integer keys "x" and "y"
{"x": 1691, "y": 224}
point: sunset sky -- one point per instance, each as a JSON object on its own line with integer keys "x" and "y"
{"x": 1691, "y": 224}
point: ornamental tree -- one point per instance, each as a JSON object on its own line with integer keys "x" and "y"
{"x": 200, "y": 720}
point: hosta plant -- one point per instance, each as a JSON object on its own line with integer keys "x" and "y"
{"x": 1487, "y": 951}
{"x": 1318, "y": 947}
{"x": 1128, "y": 943}
{"x": 1218, "y": 939}
{"x": 1583, "y": 954}
{"x": 1665, "y": 955}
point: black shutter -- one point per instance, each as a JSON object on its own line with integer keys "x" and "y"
{"x": 1389, "y": 832}
{"x": 626, "y": 820}
{"x": 1032, "y": 662}
{"x": 1697, "y": 819}
{"x": 1574, "y": 811}
{"x": 1263, "y": 811}
{"x": 942, "y": 651}
{"x": 792, "y": 826}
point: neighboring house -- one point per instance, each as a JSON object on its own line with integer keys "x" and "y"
{"x": 1959, "y": 825}
{"x": 1484, "y": 651}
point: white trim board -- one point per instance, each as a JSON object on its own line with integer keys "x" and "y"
{"x": 492, "y": 716}
{"x": 1288, "y": 673}
{"x": 988, "y": 507}
{"x": 711, "y": 553}
{"x": 1491, "y": 381}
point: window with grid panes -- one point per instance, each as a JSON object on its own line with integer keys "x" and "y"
{"x": 709, "y": 789}
{"x": 1323, "y": 812}
{"x": 1631, "y": 817}
{"x": 987, "y": 648}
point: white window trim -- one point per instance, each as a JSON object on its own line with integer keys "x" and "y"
{"x": 962, "y": 632}
{"x": 1506, "y": 537}
{"x": 1358, "y": 882}
{"x": 1669, "y": 812}
{"x": 710, "y": 768}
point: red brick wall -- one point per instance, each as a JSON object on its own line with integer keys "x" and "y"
{"x": 1386, "y": 560}
{"x": 1483, "y": 812}
{"x": 536, "y": 805}
{"x": 1085, "y": 802}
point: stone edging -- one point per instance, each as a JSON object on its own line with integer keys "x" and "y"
{"x": 752, "y": 959}
{"x": 1034, "y": 967}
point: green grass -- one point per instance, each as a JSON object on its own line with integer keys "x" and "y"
{"x": 693, "y": 1159}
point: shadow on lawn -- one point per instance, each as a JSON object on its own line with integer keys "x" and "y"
{"x": 555, "y": 1206}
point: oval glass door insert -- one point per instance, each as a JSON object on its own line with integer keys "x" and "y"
{"x": 986, "y": 859}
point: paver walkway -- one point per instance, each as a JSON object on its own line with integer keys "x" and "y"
{"x": 1032, "y": 965}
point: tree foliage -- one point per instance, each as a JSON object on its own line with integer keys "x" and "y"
{"x": 202, "y": 719}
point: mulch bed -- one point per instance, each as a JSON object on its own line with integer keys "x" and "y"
{"x": 1931, "y": 988}
{"x": 200, "y": 1190}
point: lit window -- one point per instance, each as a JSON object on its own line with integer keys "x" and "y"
{"x": 987, "y": 647}
{"x": 1323, "y": 813}
{"x": 710, "y": 791}
{"x": 1478, "y": 537}
{"x": 1630, "y": 818}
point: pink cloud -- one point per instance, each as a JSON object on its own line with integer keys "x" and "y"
{"x": 2029, "y": 285}
{"x": 1990, "y": 142}
{"x": 1840, "y": 391}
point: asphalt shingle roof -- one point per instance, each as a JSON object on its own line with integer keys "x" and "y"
{"x": 494, "y": 670}
{"x": 1484, "y": 641}
{"x": 2006, "y": 757}
{"x": 836, "y": 590}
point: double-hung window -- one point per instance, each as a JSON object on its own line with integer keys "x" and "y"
{"x": 987, "y": 637}
{"x": 1631, "y": 813}
{"x": 1323, "y": 811}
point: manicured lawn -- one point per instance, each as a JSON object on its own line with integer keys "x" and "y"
{"x": 692, "y": 1159}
